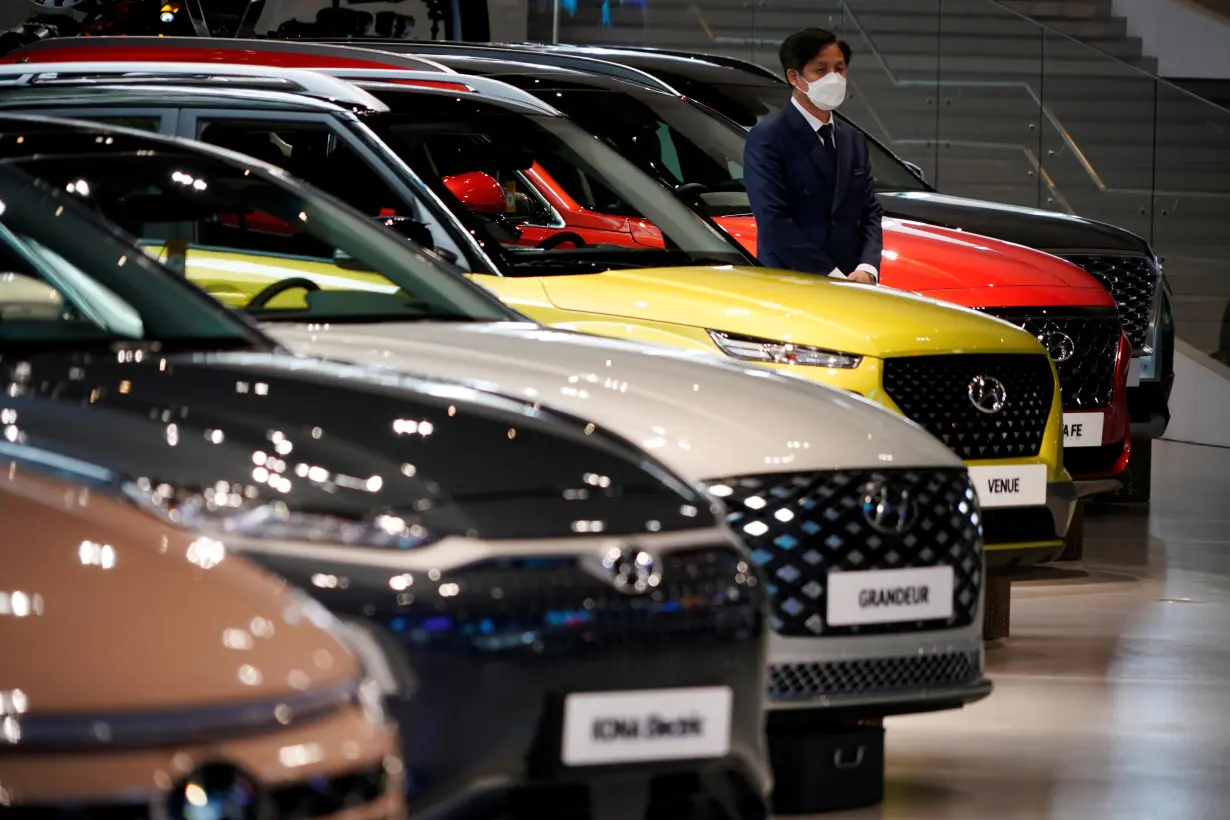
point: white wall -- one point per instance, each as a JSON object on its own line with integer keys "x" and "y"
{"x": 1187, "y": 42}
{"x": 1200, "y": 400}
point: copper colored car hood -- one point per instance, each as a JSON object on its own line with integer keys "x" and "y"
{"x": 104, "y": 611}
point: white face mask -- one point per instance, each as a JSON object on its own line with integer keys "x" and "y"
{"x": 826, "y": 93}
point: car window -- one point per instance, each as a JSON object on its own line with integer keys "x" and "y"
{"x": 475, "y": 156}
{"x": 257, "y": 241}
{"x": 748, "y": 104}
{"x": 140, "y": 122}
{"x": 66, "y": 279}
{"x": 686, "y": 146}
{"x": 313, "y": 152}
{"x": 153, "y": 124}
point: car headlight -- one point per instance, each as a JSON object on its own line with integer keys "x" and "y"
{"x": 754, "y": 349}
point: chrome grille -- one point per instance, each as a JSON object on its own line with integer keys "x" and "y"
{"x": 934, "y": 391}
{"x": 803, "y": 526}
{"x": 1132, "y": 282}
{"x": 874, "y": 675}
{"x": 1087, "y": 377}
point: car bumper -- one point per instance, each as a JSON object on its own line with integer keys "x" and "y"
{"x": 1149, "y": 407}
{"x": 1041, "y": 529}
{"x": 877, "y": 675}
{"x": 343, "y": 752}
{"x": 480, "y": 733}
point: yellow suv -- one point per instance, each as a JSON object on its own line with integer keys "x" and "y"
{"x": 983, "y": 386}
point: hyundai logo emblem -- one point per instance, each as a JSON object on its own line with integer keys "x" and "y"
{"x": 987, "y": 394}
{"x": 218, "y": 791}
{"x": 888, "y": 508}
{"x": 631, "y": 570}
{"x": 1058, "y": 344}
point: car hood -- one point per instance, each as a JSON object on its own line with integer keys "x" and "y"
{"x": 793, "y": 307}
{"x": 971, "y": 270}
{"x": 699, "y": 414}
{"x": 121, "y": 613}
{"x": 1045, "y": 230}
{"x": 221, "y": 433}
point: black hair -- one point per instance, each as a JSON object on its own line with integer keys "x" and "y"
{"x": 801, "y": 48}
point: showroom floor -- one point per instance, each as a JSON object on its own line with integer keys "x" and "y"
{"x": 1113, "y": 692}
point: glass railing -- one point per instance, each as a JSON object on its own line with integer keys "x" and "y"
{"x": 991, "y": 105}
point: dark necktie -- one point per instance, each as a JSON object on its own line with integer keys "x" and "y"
{"x": 826, "y": 138}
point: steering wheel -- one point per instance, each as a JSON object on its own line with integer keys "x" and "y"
{"x": 278, "y": 288}
{"x": 561, "y": 238}
{"x": 688, "y": 189}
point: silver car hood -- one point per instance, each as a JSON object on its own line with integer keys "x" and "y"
{"x": 701, "y": 415}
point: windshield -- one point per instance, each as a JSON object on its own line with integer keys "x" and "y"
{"x": 68, "y": 282}
{"x": 749, "y": 103}
{"x": 551, "y": 197}
{"x": 255, "y": 241}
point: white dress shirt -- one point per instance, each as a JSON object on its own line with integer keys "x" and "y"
{"x": 816, "y": 123}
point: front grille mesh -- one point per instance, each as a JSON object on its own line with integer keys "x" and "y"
{"x": 1087, "y": 376}
{"x": 934, "y": 391}
{"x": 805, "y": 681}
{"x": 803, "y": 526}
{"x": 1132, "y": 282}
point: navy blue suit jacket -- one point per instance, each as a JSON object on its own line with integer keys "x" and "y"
{"x": 810, "y": 215}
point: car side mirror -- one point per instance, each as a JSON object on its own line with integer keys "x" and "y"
{"x": 479, "y": 192}
{"x": 914, "y": 169}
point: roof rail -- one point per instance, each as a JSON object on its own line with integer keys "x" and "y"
{"x": 746, "y": 66}
{"x": 482, "y": 85}
{"x": 75, "y": 48}
{"x": 314, "y": 83}
{"x": 527, "y": 52}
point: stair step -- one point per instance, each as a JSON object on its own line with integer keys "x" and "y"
{"x": 1067, "y": 9}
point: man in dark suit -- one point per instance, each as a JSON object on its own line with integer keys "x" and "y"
{"x": 808, "y": 175}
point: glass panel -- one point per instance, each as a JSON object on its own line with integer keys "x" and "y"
{"x": 988, "y": 102}
{"x": 1191, "y": 211}
{"x": 893, "y": 73}
{"x": 1097, "y": 135}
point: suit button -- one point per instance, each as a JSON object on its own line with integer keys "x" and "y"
{"x": 807, "y": 192}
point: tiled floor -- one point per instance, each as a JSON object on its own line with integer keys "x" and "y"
{"x": 1113, "y": 692}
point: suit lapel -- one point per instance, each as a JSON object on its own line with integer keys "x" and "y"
{"x": 845, "y": 159}
{"x": 809, "y": 141}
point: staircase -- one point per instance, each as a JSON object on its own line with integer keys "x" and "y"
{"x": 957, "y": 87}
{"x": 1091, "y": 22}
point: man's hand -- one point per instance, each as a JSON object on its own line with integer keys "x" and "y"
{"x": 862, "y": 277}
